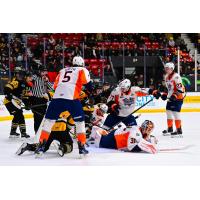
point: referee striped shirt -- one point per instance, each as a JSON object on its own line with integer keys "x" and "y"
{"x": 40, "y": 87}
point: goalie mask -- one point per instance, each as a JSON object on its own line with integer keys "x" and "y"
{"x": 147, "y": 128}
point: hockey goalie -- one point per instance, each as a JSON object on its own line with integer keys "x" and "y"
{"x": 129, "y": 139}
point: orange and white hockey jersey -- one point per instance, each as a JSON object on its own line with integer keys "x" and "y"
{"x": 127, "y": 139}
{"x": 126, "y": 102}
{"x": 174, "y": 85}
{"x": 69, "y": 82}
{"x": 98, "y": 119}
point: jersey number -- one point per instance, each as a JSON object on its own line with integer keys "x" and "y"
{"x": 132, "y": 140}
{"x": 66, "y": 77}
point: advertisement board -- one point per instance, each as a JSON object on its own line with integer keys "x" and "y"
{"x": 191, "y": 104}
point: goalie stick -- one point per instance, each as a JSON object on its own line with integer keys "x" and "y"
{"x": 175, "y": 149}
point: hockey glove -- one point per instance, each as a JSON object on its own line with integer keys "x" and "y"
{"x": 115, "y": 109}
{"x": 156, "y": 94}
{"x": 173, "y": 97}
{"x": 9, "y": 97}
{"x": 164, "y": 96}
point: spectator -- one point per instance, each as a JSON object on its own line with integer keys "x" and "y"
{"x": 140, "y": 80}
{"x": 171, "y": 42}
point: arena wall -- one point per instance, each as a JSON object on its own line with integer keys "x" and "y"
{"x": 191, "y": 104}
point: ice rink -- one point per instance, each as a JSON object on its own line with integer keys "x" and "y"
{"x": 189, "y": 156}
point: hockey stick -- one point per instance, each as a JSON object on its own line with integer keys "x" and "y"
{"x": 129, "y": 115}
{"x": 24, "y": 108}
{"x": 175, "y": 149}
{"x": 37, "y": 105}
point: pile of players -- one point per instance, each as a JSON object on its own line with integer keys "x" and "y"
{"x": 76, "y": 113}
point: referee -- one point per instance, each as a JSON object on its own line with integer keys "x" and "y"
{"x": 40, "y": 90}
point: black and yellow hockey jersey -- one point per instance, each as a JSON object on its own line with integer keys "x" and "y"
{"x": 15, "y": 88}
{"x": 65, "y": 122}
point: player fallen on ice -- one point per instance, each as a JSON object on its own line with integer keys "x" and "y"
{"x": 68, "y": 86}
{"x": 122, "y": 103}
{"x": 59, "y": 132}
{"x": 131, "y": 139}
{"x": 14, "y": 91}
{"x": 174, "y": 95}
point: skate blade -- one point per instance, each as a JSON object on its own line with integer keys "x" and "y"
{"x": 18, "y": 152}
{"x": 14, "y": 137}
{"x": 60, "y": 153}
{"x": 176, "y": 136}
{"x": 23, "y": 139}
{"x": 82, "y": 156}
{"x": 166, "y": 134}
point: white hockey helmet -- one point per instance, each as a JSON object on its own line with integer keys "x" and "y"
{"x": 125, "y": 85}
{"x": 169, "y": 65}
{"x": 78, "y": 61}
{"x": 104, "y": 108}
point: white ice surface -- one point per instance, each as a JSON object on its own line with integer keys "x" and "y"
{"x": 190, "y": 156}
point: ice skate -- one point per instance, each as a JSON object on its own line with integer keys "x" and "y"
{"x": 177, "y": 133}
{"x": 25, "y": 135}
{"x": 22, "y": 149}
{"x": 82, "y": 150}
{"x": 168, "y": 131}
{"x": 14, "y": 135}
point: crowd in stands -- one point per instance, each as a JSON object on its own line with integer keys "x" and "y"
{"x": 57, "y": 50}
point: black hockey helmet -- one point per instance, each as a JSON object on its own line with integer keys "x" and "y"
{"x": 42, "y": 68}
{"x": 19, "y": 72}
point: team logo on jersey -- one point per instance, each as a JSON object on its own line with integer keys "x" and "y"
{"x": 169, "y": 85}
{"x": 128, "y": 101}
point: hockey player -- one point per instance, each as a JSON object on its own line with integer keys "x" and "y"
{"x": 174, "y": 95}
{"x": 88, "y": 108}
{"x": 59, "y": 133}
{"x": 68, "y": 86}
{"x": 122, "y": 103}
{"x": 14, "y": 92}
{"x": 99, "y": 115}
{"x": 131, "y": 139}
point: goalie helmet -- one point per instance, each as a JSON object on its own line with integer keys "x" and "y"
{"x": 78, "y": 61}
{"x": 170, "y": 65}
{"x": 125, "y": 85}
{"x": 147, "y": 128}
